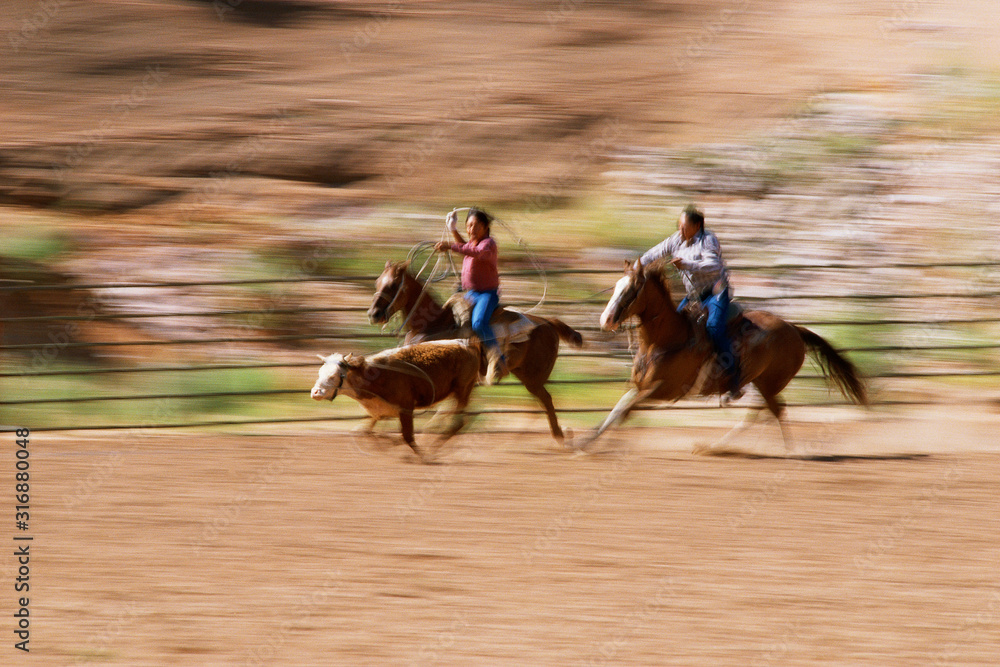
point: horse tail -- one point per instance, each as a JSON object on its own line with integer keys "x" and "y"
{"x": 836, "y": 368}
{"x": 566, "y": 333}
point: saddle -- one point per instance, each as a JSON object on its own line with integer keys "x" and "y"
{"x": 698, "y": 315}
{"x": 740, "y": 328}
{"x": 509, "y": 325}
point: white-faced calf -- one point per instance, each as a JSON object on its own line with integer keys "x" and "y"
{"x": 394, "y": 383}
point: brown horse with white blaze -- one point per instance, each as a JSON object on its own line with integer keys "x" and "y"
{"x": 394, "y": 383}
{"x": 673, "y": 360}
{"x": 530, "y": 361}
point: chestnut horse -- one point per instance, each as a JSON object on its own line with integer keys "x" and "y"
{"x": 675, "y": 359}
{"x": 531, "y": 361}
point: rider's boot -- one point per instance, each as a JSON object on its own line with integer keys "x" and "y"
{"x": 735, "y": 392}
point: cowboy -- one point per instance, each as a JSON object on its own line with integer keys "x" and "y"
{"x": 695, "y": 253}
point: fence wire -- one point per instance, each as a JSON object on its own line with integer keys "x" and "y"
{"x": 21, "y": 374}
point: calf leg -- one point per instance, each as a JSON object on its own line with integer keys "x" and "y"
{"x": 406, "y": 425}
{"x": 365, "y": 432}
{"x": 367, "y": 427}
{"x": 458, "y": 417}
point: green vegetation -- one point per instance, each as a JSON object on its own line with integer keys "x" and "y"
{"x": 595, "y": 230}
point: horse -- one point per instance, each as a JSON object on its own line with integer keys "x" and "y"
{"x": 395, "y": 382}
{"x": 530, "y": 361}
{"x": 675, "y": 357}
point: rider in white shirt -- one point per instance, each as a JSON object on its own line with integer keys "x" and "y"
{"x": 696, "y": 254}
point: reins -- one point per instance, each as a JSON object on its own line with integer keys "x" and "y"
{"x": 432, "y": 277}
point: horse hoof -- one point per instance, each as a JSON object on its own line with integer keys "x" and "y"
{"x": 566, "y": 439}
{"x": 702, "y": 449}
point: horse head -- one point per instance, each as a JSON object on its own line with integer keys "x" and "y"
{"x": 390, "y": 292}
{"x": 626, "y": 301}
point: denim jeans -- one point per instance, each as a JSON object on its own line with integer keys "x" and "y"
{"x": 483, "y": 305}
{"x": 718, "y": 312}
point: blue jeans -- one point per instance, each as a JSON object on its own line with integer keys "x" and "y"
{"x": 483, "y": 305}
{"x": 718, "y": 312}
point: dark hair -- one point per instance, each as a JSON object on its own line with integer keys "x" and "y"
{"x": 482, "y": 216}
{"x": 694, "y": 215}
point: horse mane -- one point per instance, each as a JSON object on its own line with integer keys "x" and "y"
{"x": 424, "y": 287}
{"x": 658, "y": 273}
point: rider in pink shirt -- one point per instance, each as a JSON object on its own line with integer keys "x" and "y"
{"x": 480, "y": 279}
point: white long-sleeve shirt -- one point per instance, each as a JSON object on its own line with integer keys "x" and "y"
{"x": 701, "y": 265}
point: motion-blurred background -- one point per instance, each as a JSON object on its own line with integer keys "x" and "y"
{"x": 197, "y": 195}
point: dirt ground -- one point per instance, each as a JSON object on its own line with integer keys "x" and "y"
{"x": 302, "y": 546}
{"x": 310, "y": 548}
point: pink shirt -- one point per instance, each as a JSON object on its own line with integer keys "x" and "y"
{"x": 479, "y": 268}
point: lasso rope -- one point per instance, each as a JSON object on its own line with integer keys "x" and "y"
{"x": 344, "y": 368}
{"x": 437, "y": 274}
{"x": 434, "y": 276}
{"x": 420, "y": 373}
{"x": 537, "y": 265}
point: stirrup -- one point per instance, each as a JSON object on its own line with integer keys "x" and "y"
{"x": 730, "y": 397}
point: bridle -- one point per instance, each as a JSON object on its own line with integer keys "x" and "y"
{"x": 389, "y": 308}
{"x": 626, "y": 299}
{"x": 381, "y": 296}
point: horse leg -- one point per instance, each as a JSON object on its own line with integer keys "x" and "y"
{"x": 545, "y": 398}
{"x": 748, "y": 420}
{"x": 777, "y": 408}
{"x": 626, "y": 403}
